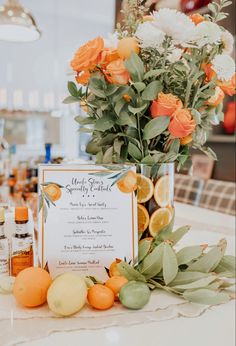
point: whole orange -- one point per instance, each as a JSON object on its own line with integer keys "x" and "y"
{"x": 126, "y": 46}
{"x": 115, "y": 283}
{"x": 100, "y": 297}
{"x": 31, "y": 286}
{"x": 53, "y": 191}
{"x": 128, "y": 184}
{"x": 113, "y": 271}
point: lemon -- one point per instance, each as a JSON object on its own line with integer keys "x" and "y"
{"x": 144, "y": 188}
{"x": 159, "y": 219}
{"x": 162, "y": 191}
{"x": 143, "y": 218}
{"x": 67, "y": 294}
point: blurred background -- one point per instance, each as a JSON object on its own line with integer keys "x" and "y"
{"x": 34, "y": 124}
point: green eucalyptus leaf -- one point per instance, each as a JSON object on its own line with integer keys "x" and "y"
{"x": 188, "y": 254}
{"x": 136, "y": 110}
{"x": 152, "y": 90}
{"x": 139, "y": 86}
{"x": 206, "y": 296}
{"x": 92, "y": 148}
{"x": 72, "y": 89}
{"x": 135, "y": 67}
{"x": 183, "y": 278}
{"x": 170, "y": 264}
{"x": 111, "y": 89}
{"x": 152, "y": 263}
{"x": 129, "y": 272}
{"x": 155, "y": 127}
{"x": 105, "y": 123}
{"x": 201, "y": 283}
{"x": 148, "y": 160}
{"x": 124, "y": 119}
{"x": 154, "y": 73}
{"x": 175, "y": 145}
{"x": 107, "y": 140}
{"x": 209, "y": 261}
{"x": 120, "y": 104}
{"x": 178, "y": 234}
{"x": 227, "y": 264}
{"x": 134, "y": 151}
{"x": 107, "y": 157}
{"x": 143, "y": 249}
{"x": 70, "y": 99}
{"x": 84, "y": 120}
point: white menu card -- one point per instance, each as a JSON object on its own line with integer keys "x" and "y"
{"x": 85, "y": 220}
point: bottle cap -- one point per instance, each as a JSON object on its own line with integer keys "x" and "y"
{"x": 21, "y": 214}
{"x": 2, "y": 215}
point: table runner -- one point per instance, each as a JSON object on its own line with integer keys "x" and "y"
{"x": 18, "y": 324}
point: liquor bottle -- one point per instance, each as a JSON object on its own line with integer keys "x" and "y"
{"x": 22, "y": 243}
{"x": 48, "y": 158}
{"x": 4, "y": 246}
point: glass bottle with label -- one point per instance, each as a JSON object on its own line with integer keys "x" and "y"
{"x": 22, "y": 243}
{"x": 4, "y": 246}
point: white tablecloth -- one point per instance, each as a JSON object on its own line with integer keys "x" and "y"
{"x": 160, "y": 323}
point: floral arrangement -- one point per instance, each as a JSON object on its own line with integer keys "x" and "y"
{"x": 154, "y": 89}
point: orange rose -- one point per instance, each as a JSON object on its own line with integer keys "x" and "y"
{"x": 166, "y": 104}
{"x": 107, "y": 56}
{"x": 83, "y": 77}
{"x": 181, "y": 124}
{"x": 210, "y": 74}
{"x": 116, "y": 72}
{"x": 217, "y": 98}
{"x": 87, "y": 56}
{"x": 196, "y": 18}
{"x": 229, "y": 86}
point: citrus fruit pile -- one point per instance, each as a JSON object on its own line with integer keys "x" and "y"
{"x": 68, "y": 293}
{"x": 154, "y": 204}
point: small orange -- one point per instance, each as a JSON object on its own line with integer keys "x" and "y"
{"x": 100, "y": 297}
{"x": 126, "y": 46}
{"x": 115, "y": 283}
{"x": 113, "y": 271}
{"x": 53, "y": 191}
{"x": 128, "y": 184}
{"x": 31, "y": 286}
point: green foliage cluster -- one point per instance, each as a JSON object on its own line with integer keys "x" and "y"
{"x": 199, "y": 274}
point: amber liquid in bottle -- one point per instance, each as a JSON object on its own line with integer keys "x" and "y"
{"x": 4, "y": 247}
{"x": 22, "y": 243}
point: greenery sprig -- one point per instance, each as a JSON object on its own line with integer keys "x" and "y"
{"x": 199, "y": 273}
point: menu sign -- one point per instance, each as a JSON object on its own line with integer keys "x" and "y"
{"x": 87, "y": 217}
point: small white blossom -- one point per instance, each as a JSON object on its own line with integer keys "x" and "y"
{"x": 207, "y": 33}
{"x": 149, "y": 35}
{"x": 228, "y": 41}
{"x": 175, "y": 55}
{"x": 174, "y": 24}
{"x": 224, "y": 67}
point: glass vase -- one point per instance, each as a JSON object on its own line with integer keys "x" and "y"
{"x": 155, "y": 195}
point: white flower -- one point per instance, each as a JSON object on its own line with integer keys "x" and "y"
{"x": 174, "y": 24}
{"x": 224, "y": 66}
{"x": 111, "y": 41}
{"x": 175, "y": 55}
{"x": 149, "y": 35}
{"x": 228, "y": 41}
{"x": 207, "y": 33}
